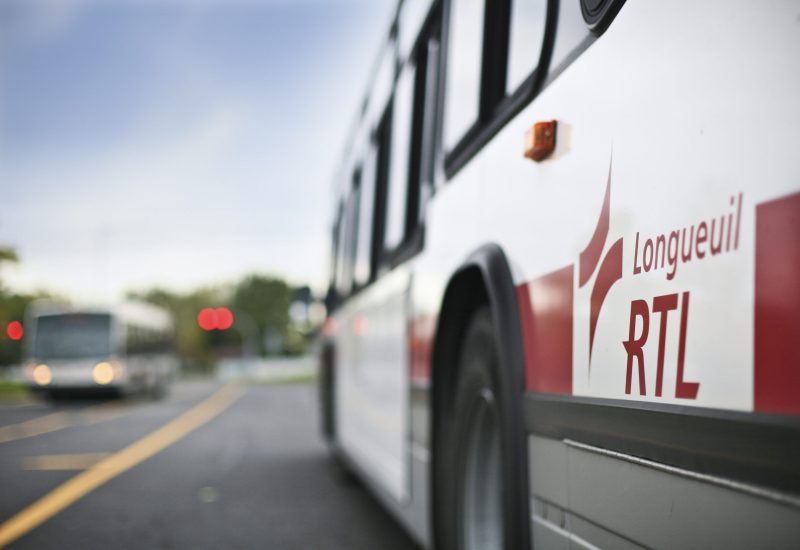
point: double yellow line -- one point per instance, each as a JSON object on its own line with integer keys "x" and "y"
{"x": 70, "y": 491}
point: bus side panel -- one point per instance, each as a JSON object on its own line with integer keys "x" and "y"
{"x": 372, "y": 382}
{"x": 664, "y": 269}
{"x": 595, "y": 497}
{"x": 688, "y": 121}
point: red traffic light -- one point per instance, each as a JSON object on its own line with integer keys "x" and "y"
{"x": 207, "y": 319}
{"x": 220, "y": 318}
{"x": 14, "y": 330}
{"x": 224, "y": 318}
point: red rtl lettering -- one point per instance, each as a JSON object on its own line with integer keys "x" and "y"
{"x": 684, "y": 390}
{"x": 634, "y": 345}
{"x": 636, "y": 268}
{"x": 663, "y": 305}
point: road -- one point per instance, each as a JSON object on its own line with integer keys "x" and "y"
{"x": 209, "y": 466}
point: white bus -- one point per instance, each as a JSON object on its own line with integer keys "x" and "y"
{"x": 128, "y": 348}
{"x": 565, "y": 287}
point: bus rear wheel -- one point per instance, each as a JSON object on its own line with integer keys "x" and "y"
{"x": 480, "y": 496}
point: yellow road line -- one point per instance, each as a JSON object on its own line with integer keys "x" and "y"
{"x": 80, "y": 461}
{"x": 69, "y": 492}
{"x": 37, "y": 426}
{"x": 65, "y": 419}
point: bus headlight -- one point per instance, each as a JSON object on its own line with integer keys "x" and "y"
{"x": 103, "y": 373}
{"x": 41, "y": 375}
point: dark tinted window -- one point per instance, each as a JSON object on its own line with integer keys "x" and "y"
{"x": 341, "y": 251}
{"x": 526, "y": 36}
{"x": 464, "y": 58}
{"x": 334, "y": 265}
{"x": 144, "y": 340}
{"x": 344, "y": 278}
{"x": 73, "y": 336}
{"x": 366, "y": 209}
{"x": 398, "y": 191}
{"x": 353, "y": 206}
{"x": 570, "y": 32}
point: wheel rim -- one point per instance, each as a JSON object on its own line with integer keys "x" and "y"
{"x": 482, "y": 520}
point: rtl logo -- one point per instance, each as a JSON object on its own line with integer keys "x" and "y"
{"x": 662, "y": 305}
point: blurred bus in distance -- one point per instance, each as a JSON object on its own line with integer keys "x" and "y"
{"x": 125, "y": 349}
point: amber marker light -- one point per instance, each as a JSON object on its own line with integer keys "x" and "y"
{"x": 41, "y": 375}
{"x": 540, "y": 140}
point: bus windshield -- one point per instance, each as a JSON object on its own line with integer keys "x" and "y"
{"x": 73, "y": 335}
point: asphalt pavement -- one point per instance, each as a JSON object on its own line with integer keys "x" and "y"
{"x": 209, "y": 466}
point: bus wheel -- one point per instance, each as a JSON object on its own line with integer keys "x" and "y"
{"x": 158, "y": 389}
{"x": 481, "y": 494}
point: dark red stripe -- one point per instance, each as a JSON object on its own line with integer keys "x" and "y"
{"x": 610, "y": 273}
{"x": 546, "y": 316}
{"x": 421, "y": 331}
{"x": 591, "y": 254}
{"x": 776, "y": 381}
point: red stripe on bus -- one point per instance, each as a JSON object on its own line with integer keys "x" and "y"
{"x": 590, "y": 256}
{"x": 546, "y": 316}
{"x": 776, "y": 381}
{"x": 610, "y": 272}
{"x": 421, "y": 332}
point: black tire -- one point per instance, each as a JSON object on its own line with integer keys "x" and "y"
{"x": 159, "y": 389}
{"x": 341, "y": 469}
{"x": 485, "y": 407}
{"x": 326, "y": 394}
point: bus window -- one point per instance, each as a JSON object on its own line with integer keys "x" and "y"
{"x": 382, "y": 84}
{"x": 141, "y": 340}
{"x": 345, "y": 278}
{"x": 331, "y": 298}
{"x": 399, "y": 161}
{"x": 73, "y": 336}
{"x": 353, "y": 204}
{"x": 526, "y": 35}
{"x": 341, "y": 251}
{"x": 363, "y": 266}
{"x": 133, "y": 340}
{"x": 464, "y": 52}
{"x": 410, "y": 19}
{"x": 570, "y": 33}
{"x": 426, "y": 115}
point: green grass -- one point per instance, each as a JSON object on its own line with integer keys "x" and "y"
{"x": 301, "y": 378}
{"x": 13, "y": 391}
{"x": 306, "y": 378}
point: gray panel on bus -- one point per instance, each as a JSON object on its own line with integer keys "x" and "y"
{"x": 653, "y": 506}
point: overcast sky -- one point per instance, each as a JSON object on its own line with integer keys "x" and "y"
{"x": 174, "y": 142}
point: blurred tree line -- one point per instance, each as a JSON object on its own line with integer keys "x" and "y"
{"x": 12, "y": 308}
{"x": 261, "y": 306}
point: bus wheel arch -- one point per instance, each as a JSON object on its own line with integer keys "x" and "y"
{"x": 484, "y": 281}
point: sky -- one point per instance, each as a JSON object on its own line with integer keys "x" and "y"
{"x": 175, "y": 143}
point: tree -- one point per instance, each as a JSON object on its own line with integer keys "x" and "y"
{"x": 266, "y": 300}
{"x": 7, "y": 255}
{"x": 194, "y": 346}
{"x": 256, "y": 299}
{"x": 12, "y": 308}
